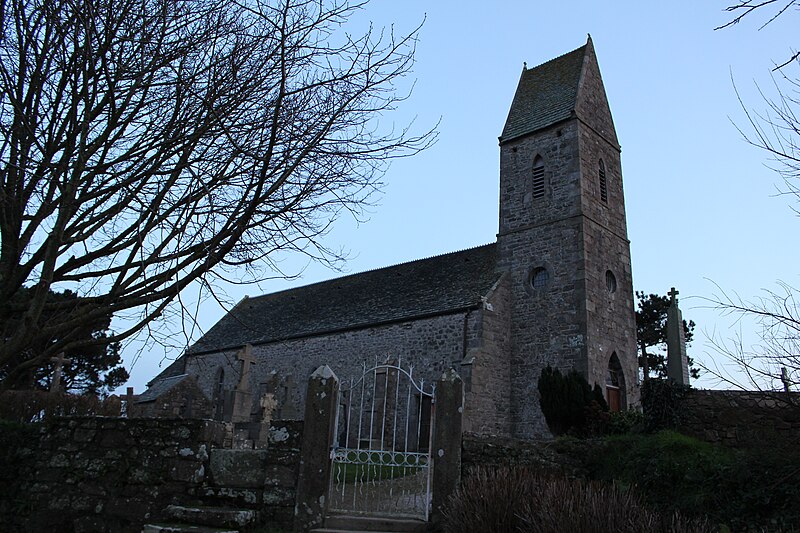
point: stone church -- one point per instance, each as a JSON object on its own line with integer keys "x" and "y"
{"x": 554, "y": 289}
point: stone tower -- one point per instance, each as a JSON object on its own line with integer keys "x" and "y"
{"x": 563, "y": 236}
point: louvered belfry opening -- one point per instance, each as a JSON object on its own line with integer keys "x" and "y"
{"x": 538, "y": 178}
{"x": 603, "y": 182}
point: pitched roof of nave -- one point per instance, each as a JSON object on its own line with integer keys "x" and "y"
{"x": 545, "y": 94}
{"x": 427, "y": 287}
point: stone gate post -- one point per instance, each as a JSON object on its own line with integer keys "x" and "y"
{"x": 446, "y": 452}
{"x": 318, "y": 429}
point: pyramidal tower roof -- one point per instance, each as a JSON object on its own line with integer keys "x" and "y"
{"x": 546, "y": 94}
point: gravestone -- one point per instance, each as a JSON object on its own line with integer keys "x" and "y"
{"x": 677, "y": 362}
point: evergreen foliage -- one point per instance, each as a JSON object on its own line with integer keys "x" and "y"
{"x": 661, "y": 403}
{"x": 651, "y": 335}
{"x": 95, "y": 366}
{"x": 569, "y": 403}
{"x": 742, "y": 489}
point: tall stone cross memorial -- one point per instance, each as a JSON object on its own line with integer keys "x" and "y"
{"x": 677, "y": 362}
{"x": 242, "y": 396}
{"x": 59, "y": 360}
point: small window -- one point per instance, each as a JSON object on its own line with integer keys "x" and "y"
{"x": 538, "y": 177}
{"x": 603, "y": 181}
{"x": 611, "y": 282}
{"x": 539, "y": 278}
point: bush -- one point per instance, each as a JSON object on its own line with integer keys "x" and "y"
{"x": 622, "y": 422}
{"x": 661, "y": 404}
{"x": 519, "y": 500}
{"x": 747, "y": 490}
{"x": 570, "y": 404}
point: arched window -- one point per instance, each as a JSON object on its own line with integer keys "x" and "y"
{"x": 538, "y": 177}
{"x": 603, "y": 181}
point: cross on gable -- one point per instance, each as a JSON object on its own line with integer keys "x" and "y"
{"x": 673, "y": 296}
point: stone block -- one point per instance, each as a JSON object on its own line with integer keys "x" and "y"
{"x": 238, "y": 468}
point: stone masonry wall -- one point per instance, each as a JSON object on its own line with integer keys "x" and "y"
{"x": 610, "y": 315}
{"x": 185, "y": 400}
{"x": 741, "y": 418}
{"x": 545, "y": 456}
{"x": 88, "y": 474}
{"x": 486, "y": 370}
{"x": 431, "y": 345}
{"x": 548, "y": 325}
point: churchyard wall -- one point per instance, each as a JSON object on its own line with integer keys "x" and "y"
{"x": 740, "y": 418}
{"x": 115, "y": 474}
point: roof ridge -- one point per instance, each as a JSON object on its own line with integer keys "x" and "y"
{"x": 582, "y": 47}
{"x": 359, "y": 273}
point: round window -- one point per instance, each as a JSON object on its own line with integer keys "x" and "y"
{"x": 539, "y": 278}
{"x": 611, "y": 282}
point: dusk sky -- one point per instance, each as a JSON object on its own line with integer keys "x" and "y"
{"x": 703, "y": 206}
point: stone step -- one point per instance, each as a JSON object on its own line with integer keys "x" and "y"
{"x": 329, "y": 530}
{"x": 223, "y": 517}
{"x": 184, "y": 528}
{"x": 374, "y": 524}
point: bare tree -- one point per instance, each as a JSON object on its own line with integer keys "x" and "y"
{"x": 151, "y": 144}
{"x": 776, "y": 129}
{"x": 771, "y": 361}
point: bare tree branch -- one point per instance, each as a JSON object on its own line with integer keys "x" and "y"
{"x": 146, "y": 145}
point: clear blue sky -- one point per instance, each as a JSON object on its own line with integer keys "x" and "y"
{"x": 701, "y": 202}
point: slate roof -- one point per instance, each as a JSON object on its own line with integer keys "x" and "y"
{"x": 426, "y": 287}
{"x": 545, "y": 95}
{"x": 176, "y": 368}
{"x": 159, "y": 386}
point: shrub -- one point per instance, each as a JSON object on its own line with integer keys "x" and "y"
{"x": 519, "y": 500}
{"x": 661, "y": 404}
{"x": 622, "y": 422}
{"x": 747, "y": 490}
{"x": 570, "y": 404}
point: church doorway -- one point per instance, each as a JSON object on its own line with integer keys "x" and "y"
{"x": 615, "y": 384}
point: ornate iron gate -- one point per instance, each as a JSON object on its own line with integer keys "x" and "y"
{"x": 380, "y": 460}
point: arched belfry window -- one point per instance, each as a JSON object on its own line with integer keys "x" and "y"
{"x": 603, "y": 181}
{"x": 538, "y": 177}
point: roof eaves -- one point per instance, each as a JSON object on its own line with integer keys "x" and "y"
{"x": 353, "y": 327}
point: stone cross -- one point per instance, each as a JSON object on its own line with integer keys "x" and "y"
{"x": 677, "y": 362}
{"x": 242, "y": 398}
{"x": 673, "y": 300}
{"x": 59, "y": 360}
{"x": 247, "y": 358}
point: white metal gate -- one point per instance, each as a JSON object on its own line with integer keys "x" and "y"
{"x": 380, "y": 460}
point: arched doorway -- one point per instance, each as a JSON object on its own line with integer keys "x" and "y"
{"x": 615, "y": 385}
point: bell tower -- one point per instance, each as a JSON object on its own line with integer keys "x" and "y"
{"x": 563, "y": 236}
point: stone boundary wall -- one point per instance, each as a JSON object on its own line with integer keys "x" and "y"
{"x": 741, "y": 418}
{"x": 548, "y": 456}
{"x": 114, "y": 474}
